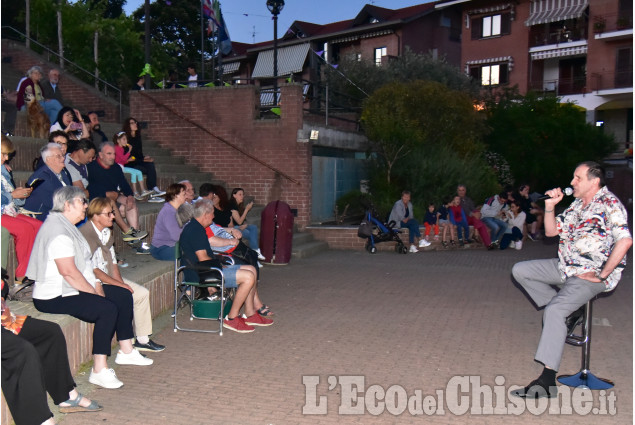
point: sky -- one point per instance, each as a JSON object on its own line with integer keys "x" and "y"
{"x": 249, "y": 21}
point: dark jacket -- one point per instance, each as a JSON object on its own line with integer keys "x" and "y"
{"x": 41, "y": 199}
{"x": 49, "y": 93}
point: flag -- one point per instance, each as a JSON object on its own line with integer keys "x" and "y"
{"x": 210, "y": 13}
{"x": 223, "y": 34}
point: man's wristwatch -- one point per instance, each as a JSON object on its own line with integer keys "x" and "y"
{"x": 602, "y": 279}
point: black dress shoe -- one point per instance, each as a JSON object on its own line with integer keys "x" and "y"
{"x": 574, "y": 319}
{"x": 150, "y": 346}
{"x": 536, "y": 390}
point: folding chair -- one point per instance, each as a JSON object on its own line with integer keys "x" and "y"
{"x": 185, "y": 293}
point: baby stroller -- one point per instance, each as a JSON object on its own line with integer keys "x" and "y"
{"x": 374, "y": 231}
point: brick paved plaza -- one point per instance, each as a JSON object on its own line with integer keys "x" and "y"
{"x": 415, "y": 321}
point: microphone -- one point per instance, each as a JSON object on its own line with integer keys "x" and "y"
{"x": 567, "y": 191}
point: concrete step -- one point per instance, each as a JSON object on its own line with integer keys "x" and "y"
{"x": 308, "y": 249}
{"x": 300, "y": 238}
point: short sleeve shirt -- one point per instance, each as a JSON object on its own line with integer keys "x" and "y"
{"x": 588, "y": 235}
{"x": 193, "y": 238}
{"x": 51, "y": 287}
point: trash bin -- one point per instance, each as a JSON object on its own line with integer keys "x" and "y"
{"x": 276, "y": 232}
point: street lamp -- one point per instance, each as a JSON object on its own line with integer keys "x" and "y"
{"x": 275, "y": 7}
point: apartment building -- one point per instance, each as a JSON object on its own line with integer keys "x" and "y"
{"x": 580, "y": 50}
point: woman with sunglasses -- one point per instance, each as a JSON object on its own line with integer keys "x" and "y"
{"x": 65, "y": 283}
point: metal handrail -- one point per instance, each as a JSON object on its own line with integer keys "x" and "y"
{"x": 61, "y": 58}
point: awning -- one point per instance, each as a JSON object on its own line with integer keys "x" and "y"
{"x": 491, "y": 9}
{"x": 501, "y": 59}
{"x": 557, "y": 53}
{"x": 231, "y": 67}
{"x": 290, "y": 59}
{"x": 543, "y": 11}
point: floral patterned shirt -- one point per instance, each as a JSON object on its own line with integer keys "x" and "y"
{"x": 588, "y": 234}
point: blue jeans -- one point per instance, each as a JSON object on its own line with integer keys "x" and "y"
{"x": 413, "y": 229}
{"x": 52, "y": 108}
{"x": 515, "y": 235}
{"x": 163, "y": 253}
{"x": 466, "y": 230}
{"x": 251, "y": 234}
{"x": 496, "y": 225}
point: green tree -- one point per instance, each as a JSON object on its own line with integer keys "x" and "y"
{"x": 541, "y": 138}
{"x": 400, "y": 117}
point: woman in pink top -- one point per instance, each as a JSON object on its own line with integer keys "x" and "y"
{"x": 122, "y": 157}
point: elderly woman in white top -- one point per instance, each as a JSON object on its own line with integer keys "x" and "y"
{"x": 65, "y": 284}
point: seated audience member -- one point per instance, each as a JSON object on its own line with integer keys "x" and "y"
{"x": 50, "y": 87}
{"x": 80, "y": 153}
{"x": 140, "y": 84}
{"x": 142, "y": 162}
{"x": 239, "y": 216}
{"x": 65, "y": 284}
{"x": 61, "y": 139}
{"x": 459, "y": 220}
{"x": 167, "y": 229}
{"x": 492, "y": 214}
{"x": 189, "y": 191}
{"x": 96, "y": 135}
{"x": 196, "y": 248}
{"x": 70, "y": 121}
{"x": 106, "y": 180}
{"x": 222, "y": 213}
{"x": 515, "y": 219}
{"x": 473, "y": 215}
{"x": 122, "y": 158}
{"x": 46, "y": 180}
{"x": 34, "y": 362}
{"x": 403, "y": 215}
{"x": 101, "y": 240}
{"x": 22, "y": 228}
{"x": 445, "y": 224}
{"x": 535, "y": 214}
{"x": 31, "y": 86}
{"x": 431, "y": 221}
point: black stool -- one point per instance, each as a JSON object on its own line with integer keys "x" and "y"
{"x": 584, "y": 378}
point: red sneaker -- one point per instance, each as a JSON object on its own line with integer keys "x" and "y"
{"x": 257, "y": 320}
{"x": 237, "y": 324}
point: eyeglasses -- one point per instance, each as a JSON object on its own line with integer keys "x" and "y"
{"x": 58, "y": 156}
{"x": 84, "y": 201}
{"x": 109, "y": 213}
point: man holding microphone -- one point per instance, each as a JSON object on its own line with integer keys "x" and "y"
{"x": 594, "y": 240}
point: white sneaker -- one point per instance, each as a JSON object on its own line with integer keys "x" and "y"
{"x": 156, "y": 200}
{"x": 158, "y": 192}
{"x": 260, "y": 256}
{"x": 423, "y": 243}
{"x": 134, "y": 358}
{"x": 146, "y": 193}
{"x": 259, "y": 265}
{"x": 107, "y": 378}
{"x": 413, "y": 249}
{"x": 512, "y": 244}
{"x": 519, "y": 245}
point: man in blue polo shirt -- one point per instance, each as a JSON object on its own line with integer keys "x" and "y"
{"x": 106, "y": 180}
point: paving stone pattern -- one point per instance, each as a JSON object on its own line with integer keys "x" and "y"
{"x": 415, "y": 321}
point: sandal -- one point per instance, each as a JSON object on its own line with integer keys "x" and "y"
{"x": 265, "y": 311}
{"x": 74, "y": 406}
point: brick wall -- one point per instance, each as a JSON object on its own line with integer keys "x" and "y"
{"x": 77, "y": 93}
{"x": 232, "y": 114}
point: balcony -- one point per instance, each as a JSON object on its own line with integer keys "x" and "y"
{"x": 621, "y": 79}
{"x": 605, "y": 25}
{"x": 561, "y": 86}
{"x": 545, "y": 36}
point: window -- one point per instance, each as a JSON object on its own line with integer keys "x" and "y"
{"x": 491, "y": 26}
{"x": 491, "y": 74}
{"x": 379, "y": 53}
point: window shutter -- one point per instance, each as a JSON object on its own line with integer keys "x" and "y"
{"x": 506, "y": 23}
{"x": 477, "y": 28}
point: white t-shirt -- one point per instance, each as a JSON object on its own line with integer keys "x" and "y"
{"x": 193, "y": 80}
{"x": 51, "y": 287}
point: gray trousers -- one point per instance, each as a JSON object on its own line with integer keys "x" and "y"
{"x": 538, "y": 278}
